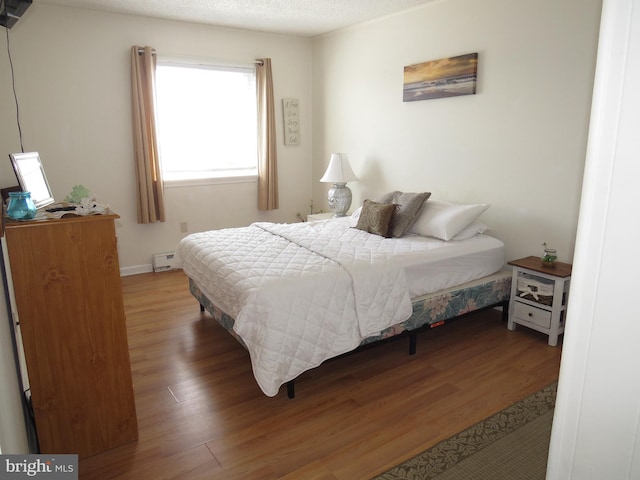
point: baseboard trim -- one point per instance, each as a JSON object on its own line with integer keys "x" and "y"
{"x": 135, "y": 270}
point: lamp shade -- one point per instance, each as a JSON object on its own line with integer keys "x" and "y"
{"x": 339, "y": 170}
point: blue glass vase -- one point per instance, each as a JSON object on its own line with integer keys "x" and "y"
{"x": 21, "y": 206}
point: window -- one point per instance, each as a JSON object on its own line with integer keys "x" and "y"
{"x": 207, "y": 121}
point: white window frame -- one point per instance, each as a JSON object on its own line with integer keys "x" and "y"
{"x": 222, "y": 177}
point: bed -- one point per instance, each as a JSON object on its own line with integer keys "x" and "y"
{"x": 297, "y": 295}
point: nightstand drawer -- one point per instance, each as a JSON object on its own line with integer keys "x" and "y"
{"x": 532, "y": 315}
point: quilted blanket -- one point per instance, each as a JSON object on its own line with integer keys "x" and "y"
{"x": 299, "y": 293}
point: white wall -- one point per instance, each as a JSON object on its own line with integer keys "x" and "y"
{"x": 13, "y": 434}
{"x": 73, "y": 85}
{"x": 596, "y": 428}
{"x": 519, "y": 143}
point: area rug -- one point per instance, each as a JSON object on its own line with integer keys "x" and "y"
{"x": 510, "y": 445}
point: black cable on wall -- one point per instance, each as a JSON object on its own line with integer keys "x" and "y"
{"x": 13, "y": 80}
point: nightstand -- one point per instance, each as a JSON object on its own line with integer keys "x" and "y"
{"x": 314, "y": 217}
{"x": 539, "y": 296}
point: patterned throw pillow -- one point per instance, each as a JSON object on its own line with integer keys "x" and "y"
{"x": 409, "y": 206}
{"x": 376, "y": 217}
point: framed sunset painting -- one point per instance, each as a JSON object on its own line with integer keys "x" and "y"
{"x": 447, "y": 77}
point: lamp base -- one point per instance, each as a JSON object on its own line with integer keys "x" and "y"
{"x": 339, "y": 199}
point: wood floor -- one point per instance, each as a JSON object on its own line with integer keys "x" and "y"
{"x": 201, "y": 414}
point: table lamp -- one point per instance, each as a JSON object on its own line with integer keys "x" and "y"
{"x": 339, "y": 173}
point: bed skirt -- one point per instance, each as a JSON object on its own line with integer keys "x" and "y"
{"x": 429, "y": 311}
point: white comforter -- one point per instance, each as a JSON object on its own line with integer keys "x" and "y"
{"x": 299, "y": 293}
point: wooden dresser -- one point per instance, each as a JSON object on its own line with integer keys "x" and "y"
{"x": 68, "y": 303}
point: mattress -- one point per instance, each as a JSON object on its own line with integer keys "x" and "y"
{"x": 432, "y": 264}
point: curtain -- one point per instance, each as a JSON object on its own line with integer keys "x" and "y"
{"x": 150, "y": 193}
{"x": 267, "y": 157}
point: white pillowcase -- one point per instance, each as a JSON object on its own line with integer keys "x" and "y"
{"x": 445, "y": 220}
{"x": 476, "y": 228}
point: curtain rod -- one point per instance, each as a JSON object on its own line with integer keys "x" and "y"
{"x": 153, "y": 52}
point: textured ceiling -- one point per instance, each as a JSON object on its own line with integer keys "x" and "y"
{"x": 299, "y": 17}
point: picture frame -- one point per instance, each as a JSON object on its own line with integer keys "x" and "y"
{"x": 291, "y": 119}
{"x": 446, "y": 77}
{"x": 31, "y": 177}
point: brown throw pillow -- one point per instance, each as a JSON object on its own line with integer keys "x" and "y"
{"x": 376, "y": 217}
{"x": 409, "y": 206}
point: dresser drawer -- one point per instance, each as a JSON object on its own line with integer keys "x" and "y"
{"x": 527, "y": 314}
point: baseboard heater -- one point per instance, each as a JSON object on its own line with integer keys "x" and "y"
{"x": 163, "y": 261}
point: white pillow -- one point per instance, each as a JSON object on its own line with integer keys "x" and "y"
{"x": 445, "y": 220}
{"x": 476, "y": 228}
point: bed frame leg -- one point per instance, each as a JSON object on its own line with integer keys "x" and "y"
{"x": 201, "y": 308}
{"x": 505, "y": 311}
{"x": 413, "y": 342}
{"x": 291, "y": 392}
